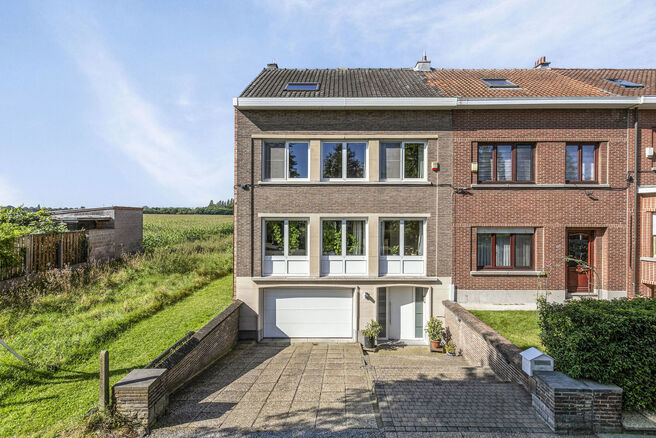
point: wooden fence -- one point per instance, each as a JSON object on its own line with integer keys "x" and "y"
{"x": 40, "y": 252}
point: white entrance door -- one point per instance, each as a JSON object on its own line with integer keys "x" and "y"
{"x": 401, "y": 313}
{"x": 308, "y": 313}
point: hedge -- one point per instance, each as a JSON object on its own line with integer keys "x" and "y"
{"x": 605, "y": 341}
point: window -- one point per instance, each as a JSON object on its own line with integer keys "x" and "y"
{"x": 344, "y": 160}
{"x": 401, "y": 246}
{"x": 624, "y": 83}
{"x": 285, "y": 247}
{"x": 343, "y": 246}
{"x": 499, "y": 83}
{"x": 653, "y": 235}
{"x": 504, "y": 249}
{"x": 402, "y": 160}
{"x": 285, "y": 160}
{"x": 302, "y": 86}
{"x": 505, "y": 163}
{"x": 580, "y": 163}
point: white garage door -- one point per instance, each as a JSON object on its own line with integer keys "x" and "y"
{"x": 308, "y": 313}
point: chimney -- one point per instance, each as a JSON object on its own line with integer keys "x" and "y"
{"x": 272, "y": 65}
{"x": 423, "y": 65}
{"x": 542, "y": 63}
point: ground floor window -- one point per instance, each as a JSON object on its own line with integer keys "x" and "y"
{"x": 343, "y": 246}
{"x": 504, "y": 248}
{"x": 402, "y": 246}
{"x": 285, "y": 247}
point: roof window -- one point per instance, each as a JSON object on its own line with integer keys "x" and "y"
{"x": 499, "y": 83}
{"x": 302, "y": 86}
{"x": 624, "y": 83}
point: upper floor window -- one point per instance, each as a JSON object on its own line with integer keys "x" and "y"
{"x": 653, "y": 235}
{"x": 302, "y": 86}
{"x": 580, "y": 163}
{"x": 343, "y": 160}
{"x": 504, "y": 248}
{"x": 285, "y": 247}
{"x": 285, "y": 160}
{"x": 402, "y": 161}
{"x": 499, "y": 83}
{"x": 624, "y": 83}
{"x": 505, "y": 163}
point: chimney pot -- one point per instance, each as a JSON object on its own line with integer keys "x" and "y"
{"x": 542, "y": 63}
{"x": 423, "y": 65}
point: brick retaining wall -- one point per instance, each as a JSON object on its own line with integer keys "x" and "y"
{"x": 565, "y": 404}
{"x": 143, "y": 394}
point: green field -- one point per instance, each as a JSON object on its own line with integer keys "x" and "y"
{"x": 518, "y": 326}
{"x": 134, "y": 308}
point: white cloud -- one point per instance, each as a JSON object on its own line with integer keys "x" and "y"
{"x": 9, "y": 195}
{"x": 131, "y": 124}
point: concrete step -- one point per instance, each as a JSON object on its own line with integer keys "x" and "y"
{"x": 639, "y": 422}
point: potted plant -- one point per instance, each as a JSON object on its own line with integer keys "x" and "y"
{"x": 434, "y": 331}
{"x": 370, "y": 333}
{"x": 450, "y": 348}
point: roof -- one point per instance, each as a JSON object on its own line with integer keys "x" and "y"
{"x": 365, "y": 82}
{"x": 597, "y": 78}
{"x": 405, "y": 82}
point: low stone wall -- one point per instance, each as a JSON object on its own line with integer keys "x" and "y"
{"x": 143, "y": 394}
{"x": 565, "y": 404}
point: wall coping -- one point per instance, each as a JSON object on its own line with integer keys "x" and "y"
{"x": 509, "y": 351}
{"x": 141, "y": 378}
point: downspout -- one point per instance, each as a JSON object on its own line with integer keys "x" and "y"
{"x": 636, "y": 183}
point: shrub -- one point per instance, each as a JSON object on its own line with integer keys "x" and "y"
{"x": 434, "y": 329}
{"x": 372, "y": 330}
{"x": 606, "y": 341}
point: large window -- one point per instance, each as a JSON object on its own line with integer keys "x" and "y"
{"x": 504, "y": 249}
{"x": 505, "y": 163}
{"x": 402, "y": 246}
{"x": 343, "y": 160}
{"x": 285, "y": 247}
{"x": 653, "y": 235}
{"x": 580, "y": 163}
{"x": 285, "y": 160}
{"x": 402, "y": 160}
{"x": 343, "y": 246}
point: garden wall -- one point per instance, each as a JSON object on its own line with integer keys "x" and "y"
{"x": 143, "y": 394}
{"x": 565, "y": 404}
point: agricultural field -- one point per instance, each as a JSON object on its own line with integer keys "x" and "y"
{"x": 134, "y": 308}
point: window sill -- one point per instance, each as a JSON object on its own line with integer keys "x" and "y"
{"x": 343, "y": 183}
{"x": 494, "y": 273}
{"x": 648, "y": 259}
{"x": 539, "y": 186}
{"x": 345, "y": 278}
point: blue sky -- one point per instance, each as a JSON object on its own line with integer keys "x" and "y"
{"x": 129, "y": 103}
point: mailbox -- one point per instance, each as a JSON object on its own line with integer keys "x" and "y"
{"x": 535, "y": 360}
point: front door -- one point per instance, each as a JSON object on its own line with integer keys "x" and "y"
{"x": 579, "y": 246}
{"x": 406, "y": 311}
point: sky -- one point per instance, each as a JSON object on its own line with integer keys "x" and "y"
{"x": 130, "y": 103}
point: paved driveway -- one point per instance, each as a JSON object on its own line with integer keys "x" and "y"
{"x": 317, "y": 389}
{"x": 334, "y": 390}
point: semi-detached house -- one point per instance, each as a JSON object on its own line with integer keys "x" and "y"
{"x": 375, "y": 194}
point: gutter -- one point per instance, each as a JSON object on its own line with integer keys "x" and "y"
{"x": 443, "y": 103}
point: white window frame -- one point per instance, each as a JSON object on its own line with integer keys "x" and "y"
{"x": 401, "y": 258}
{"x": 286, "y": 259}
{"x": 403, "y": 143}
{"x": 287, "y": 142}
{"x": 344, "y": 258}
{"x": 345, "y": 160}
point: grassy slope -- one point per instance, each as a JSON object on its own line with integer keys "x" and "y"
{"x": 518, "y": 326}
{"x": 135, "y": 311}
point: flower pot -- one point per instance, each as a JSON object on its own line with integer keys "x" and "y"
{"x": 436, "y": 346}
{"x": 369, "y": 343}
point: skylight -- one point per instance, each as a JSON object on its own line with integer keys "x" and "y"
{"x": 624, "y": 83}
{"x": 499, "y": 83}
{"x": 302, "y": 86}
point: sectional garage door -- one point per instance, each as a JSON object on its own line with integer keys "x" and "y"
{"x": 308, "y": 313}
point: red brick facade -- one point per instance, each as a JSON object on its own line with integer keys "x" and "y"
{"x": 550, "y": 206}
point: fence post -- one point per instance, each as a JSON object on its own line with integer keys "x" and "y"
{"x": 60, "y": 251}
{"x": 29, "y": 252}
{"x": 104, "y": 380}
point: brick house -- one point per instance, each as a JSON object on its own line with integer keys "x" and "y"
{"x": 367, "y": 194}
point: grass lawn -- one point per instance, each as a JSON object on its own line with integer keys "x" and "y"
{"x": 134, "y": 308}
{"x": 518, "y": 326}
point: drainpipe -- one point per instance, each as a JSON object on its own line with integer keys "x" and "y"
{"x": 636, "y": 253}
